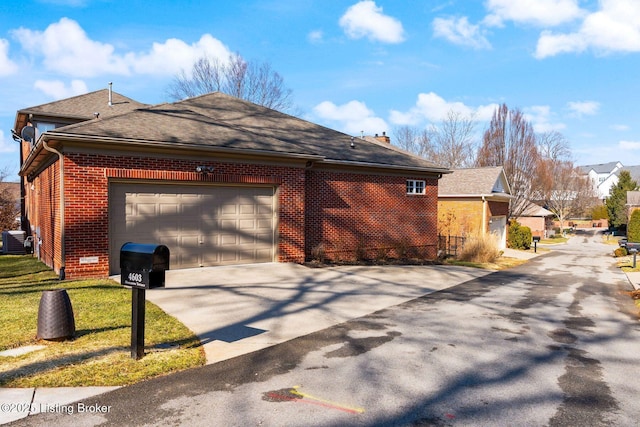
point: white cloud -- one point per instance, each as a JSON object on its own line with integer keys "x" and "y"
{"x": 56, "y": 89}
{"x": 172, "y": 56}
{"x": 353, "y": 117}
{"x": 365, "y": 19}
{"x": 7, "y": 145}
{"x": 461, "y": 32}
{"x": 537, "y": 12}
{"x": 7, "y": 66}
{"x": 540, "y": 117}
{"x": 583, "y": 108}
{"x": 614, "y": 28}
{"x": 433, "y": 108}
{"x": 315, "y": 36}
{"x": 629, "y": 145}
{"x": 620, "y": 127}
{"x": 66, "y": 48}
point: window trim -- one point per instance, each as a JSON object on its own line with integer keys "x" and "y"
{"x": 413, "y": 185}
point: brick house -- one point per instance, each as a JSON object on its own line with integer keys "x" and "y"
{"x": 538, "y": 219}
{"x": 474, "y": 200}
{"x": 218, "y": 180}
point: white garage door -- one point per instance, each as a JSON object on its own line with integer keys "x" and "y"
{"x": 498, "y": 227}
{"x": 201, "y": 225}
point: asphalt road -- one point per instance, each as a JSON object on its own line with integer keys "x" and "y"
{"x": 554, "y": 342}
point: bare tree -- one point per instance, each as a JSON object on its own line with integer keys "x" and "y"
{"x": 453, "y": 140}
{"x": 510, "y": 141}
{"x": 450, "y": 143}
{"x": 553, "y": 145}
{"x": 570, "y": 193}
{"x": 416, "y": 141}
{"x": 255, "y": 82}
{"x": 9, "y": 203}
{"x": 406, "y": 137}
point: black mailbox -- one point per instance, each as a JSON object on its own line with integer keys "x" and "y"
{"x": 142, "y": 265}
{"x": 536, "y": 238}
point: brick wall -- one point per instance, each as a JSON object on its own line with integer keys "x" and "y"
{"x": 498, "y": 209}
{"x": 345, "y": 212}
{"x": 351, "y": 215}
{"x": 86, "y": 191}
{"x": 43, "y": 215}
{"x": 459, "y": 217}
{"x": 535, "y": 223}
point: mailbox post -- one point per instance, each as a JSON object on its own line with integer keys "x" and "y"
{"x": 142, "y": 267}
{"x": 536, "y": 239}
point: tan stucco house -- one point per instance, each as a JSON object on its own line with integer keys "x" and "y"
{"x": 474, "y": 200}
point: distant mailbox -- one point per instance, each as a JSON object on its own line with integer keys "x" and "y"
{"x": 143, "y": 265}
{"x": 536, "y": 238}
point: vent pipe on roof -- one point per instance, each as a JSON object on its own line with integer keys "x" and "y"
{"x": 110, "y": 94}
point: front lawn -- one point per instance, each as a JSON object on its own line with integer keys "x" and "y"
{"x": 501, "y": 263}
{"x": 100, "y": 353}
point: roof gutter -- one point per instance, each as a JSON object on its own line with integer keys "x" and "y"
{"x": 483, "y": 196}
{"x": 439, "y": 171}
{"x": 62, "y": 206}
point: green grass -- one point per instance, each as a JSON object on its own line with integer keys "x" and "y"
{"x": 100, "y": 353}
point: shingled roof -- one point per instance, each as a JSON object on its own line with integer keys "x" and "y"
{"x": 83, "y": 107}
{"x": 221, "y": 122}
{"x": 474, "y": 182}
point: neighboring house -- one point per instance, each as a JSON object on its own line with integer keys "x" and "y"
{"x": 603, "y": 176}
{"x": 634, "y": 171}
{"x": 218, "y": 180}
{"x": 633, "y": 202}
{"x": 472, "y": 200}
{"x": 537, "y": 218}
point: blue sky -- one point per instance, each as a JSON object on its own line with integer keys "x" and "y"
{"x": 572, "y": 66}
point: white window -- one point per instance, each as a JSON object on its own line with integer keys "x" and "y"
{"x": 415, "y": 186}
{"x": 44, "y": 127}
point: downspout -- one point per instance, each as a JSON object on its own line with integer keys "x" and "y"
{"x": 62, "y": 206}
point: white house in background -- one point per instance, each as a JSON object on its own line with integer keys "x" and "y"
{"x": 604, "y": 176}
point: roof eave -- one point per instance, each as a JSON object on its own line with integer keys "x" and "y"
{"x": 28, "y": 165}
{"x": 438, "y": 171}
{"x": 502, "y": 196}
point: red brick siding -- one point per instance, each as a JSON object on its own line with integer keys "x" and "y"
{"x": 499, "y": 209}
{"x": 86, "y": 191}
{"x": 340, "y": 210}
{"x": 42, "y": 215}
{"x": 348, "y": 212}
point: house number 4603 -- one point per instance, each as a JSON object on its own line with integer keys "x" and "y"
{"x": 135, "y": 277}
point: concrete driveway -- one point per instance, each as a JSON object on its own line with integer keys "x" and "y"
{"x": 235, "y": 310}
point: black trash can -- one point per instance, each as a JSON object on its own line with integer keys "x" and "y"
{"x": 55, "y": 316}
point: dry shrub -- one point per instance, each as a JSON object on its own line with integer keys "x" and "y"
{"x": 480, "y": 247}
{"x": 319, "y": 253}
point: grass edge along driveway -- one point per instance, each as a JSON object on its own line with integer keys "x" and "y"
{"x": 100, "y": 352}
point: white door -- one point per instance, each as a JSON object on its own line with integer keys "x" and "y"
{"x": 498, "y": 227}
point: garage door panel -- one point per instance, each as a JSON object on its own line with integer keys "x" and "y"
{"x": 228, "y": 240}
{"x": 201, "y": 225}
{"x": 247, "y": 224}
